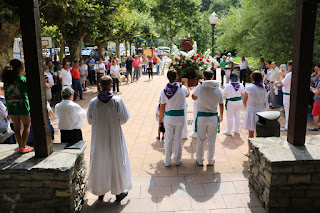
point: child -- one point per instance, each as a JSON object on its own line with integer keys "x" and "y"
{"x": 48, "y": 89}
{"x": 149, "y": 67}
{"x": 233, "y": 93}
{"x": 228, "y": 71}
{"x": 161, "y": 126}
{"x": 50, "y": 82}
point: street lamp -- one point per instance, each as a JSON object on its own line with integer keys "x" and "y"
{"x": 213, "y": 19}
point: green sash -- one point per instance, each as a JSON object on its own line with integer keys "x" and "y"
{"x": 207, "y": 114}
{"x": 232, "y": 99}
{"x": 286, "y": 93}
{"x": 175, "y": 113}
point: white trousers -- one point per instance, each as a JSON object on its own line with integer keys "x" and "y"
{"x": 233, "y": 114}
{"x": 286, "y": 105}
{"x": 173, "y": 126}
{"x": 185, "y": 127}
{"x": 207, "y": 126}
{"x": 195, "y": 111}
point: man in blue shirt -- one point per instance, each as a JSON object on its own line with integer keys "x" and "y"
{"x": 91, "y": 72}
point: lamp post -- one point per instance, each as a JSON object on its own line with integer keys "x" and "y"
{"x": 213, "y": 19}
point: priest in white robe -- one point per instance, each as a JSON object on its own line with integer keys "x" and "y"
{"x": 109, "y": 159}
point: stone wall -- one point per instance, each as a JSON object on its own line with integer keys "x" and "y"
{"x": 286, "y": 178}
{"x": 53, "y": 184}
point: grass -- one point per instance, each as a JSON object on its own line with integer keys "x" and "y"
{"x": 253, "y": 62}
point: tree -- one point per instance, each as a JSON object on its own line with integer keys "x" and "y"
{"x": 73, "y": 18}
{"x": 261, "y": 29}
{"x": 10, "y": 28}
{"x": 175, "y": 15}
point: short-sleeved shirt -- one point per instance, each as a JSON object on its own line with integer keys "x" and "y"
{"x": 287, "y": 83}
{"x": 82, "y": 69}
{"x": 75, "y": 73}
{"x": 129, "y": 64}
{"x": 317, "y": 97}
{"x": 177, "y": 101}
{"x": 136, "y": 63}
{"x": 92, "y": 61}
{"x": 230, "y": 92}
{"x": 16, "y": 97}
{"x": 208, "y": 97}
{"x": 66, "y": 77}
{"x": 223, "y": 63}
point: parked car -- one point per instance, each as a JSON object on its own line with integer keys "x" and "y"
{"x": 162, "y": 51}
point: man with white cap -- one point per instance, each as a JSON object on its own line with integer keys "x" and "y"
{"x": 209, "y": 96}
{"x": 229, "y": 58}
{"x": 172, "y": 105}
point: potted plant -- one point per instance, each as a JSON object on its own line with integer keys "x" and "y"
{"x": 191, "y": 64}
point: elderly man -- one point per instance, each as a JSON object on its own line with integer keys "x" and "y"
{"x": 109, "y": 158}
{"x": 244, "y": 66}
{"x": 70, "y": 117}
{"x": 273, "y": 77}
{"x": 65, "y": 75}
{"x": 207, "y": 124}
{"x": 223, "y": 64}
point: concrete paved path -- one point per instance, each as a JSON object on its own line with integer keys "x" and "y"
{"x": 186, "y": 188}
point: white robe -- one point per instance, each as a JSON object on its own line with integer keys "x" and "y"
{"x": 109, "y": 159}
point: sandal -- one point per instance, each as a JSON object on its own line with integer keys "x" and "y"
{"x": 313, "y": 129}
{"x": 247, "y": 154}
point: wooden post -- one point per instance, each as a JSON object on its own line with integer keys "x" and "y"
{"x": 31, "y": 37}
{"x": 305, "y": 20}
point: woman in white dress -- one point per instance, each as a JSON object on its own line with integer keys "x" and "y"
{"x": 233, "y": 93}
{"x": 255, "y": 100}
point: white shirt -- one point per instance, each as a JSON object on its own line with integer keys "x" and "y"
{"x": 257, "y": 98}
{"x": 229, "y": 58}
{"x": 269, "y": 71}
{"x": 209, "y": 96}
{"x": 69, "y": 115}
{"x": 103, "y": 66}
{"x": 50, "y": 78}
{"x": 274, "y": 74}
{"x": 177, "y": 101}
{"x": 287, "y": 83}
{"x": 244, "y": 65}
{"x": 230, "y": 92}
{"x": 115, "y": 70}
{"x": 227, "y": 71}
{"x": 66, "y": 77}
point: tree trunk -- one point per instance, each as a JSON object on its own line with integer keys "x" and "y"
{"x": 100, "y": 45}
{"x": 74, "y": 47}
{"x": 130, "y": 42}
{"x": 126, "y": 45}
{"x": 171, "y": 38}
{"x": 118, "y": 48}
{"x": 7, "y": 34}
{"x": 62, "y": 50}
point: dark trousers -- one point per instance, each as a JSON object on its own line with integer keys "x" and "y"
{"x": 91, "y": 76}
{"x": 115, "y": 83}
{"x": 243, "y": 76}
{"x": 214, "y": 74}
{"x": 71, "y": 136}
{"x": 76, "y": 84}
{"x": 150, "y": 72}
{"x": 222, "y": 76}
{"x": 99, "y": 75}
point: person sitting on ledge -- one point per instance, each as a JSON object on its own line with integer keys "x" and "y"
{"x": 70, "y": 116}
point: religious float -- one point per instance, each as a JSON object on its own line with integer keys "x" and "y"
{"x": 190, "y": 64}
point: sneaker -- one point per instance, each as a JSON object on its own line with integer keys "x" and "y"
{"x": 227, "y": 133}
{"x": 178, "y": 163}
{"x": 236, "y": 132}
{"x": 283, "y": 129}
{"x": 121, "y": 196}
{"x": 210, "y": 162}
{"x": 158, "y": 138}
{"x": 199, "y": 164}
{"x": 26, "y": 149}
{"x": 162, "y": 138}
{"x": 82, "y": 99}
{"x": 313, "y": 129}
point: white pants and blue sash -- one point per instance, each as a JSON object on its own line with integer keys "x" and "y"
{"x": 207, "y": 125}
{"x": 173, "y": 122}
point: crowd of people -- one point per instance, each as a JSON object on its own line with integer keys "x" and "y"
{"x": 270, "y": 88}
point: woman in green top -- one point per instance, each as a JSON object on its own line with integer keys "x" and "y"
{"x": 15, "y": 87}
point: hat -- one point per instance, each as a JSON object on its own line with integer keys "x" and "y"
{"x": 229, "y": 53}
